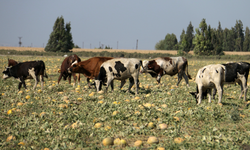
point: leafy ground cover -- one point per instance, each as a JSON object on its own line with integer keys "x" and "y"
{"x": 66, "y": 117}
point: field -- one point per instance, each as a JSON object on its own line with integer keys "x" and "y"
{"x": 66, "y": 117}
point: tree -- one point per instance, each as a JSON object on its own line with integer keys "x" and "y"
{"x": 239, "y": 35}
{"x": 190, "y": 36}
{"x": 60, "y": 38}
{"x": 202, "y": 40}
{"x": 246, "y": 43}
{"x": 169, "y": 43}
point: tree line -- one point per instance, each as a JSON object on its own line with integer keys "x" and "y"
{"x": 207, "y": 40}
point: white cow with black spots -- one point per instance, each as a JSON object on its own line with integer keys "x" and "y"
{"x": 119, "y": 69}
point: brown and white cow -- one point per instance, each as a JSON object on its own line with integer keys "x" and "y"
{"x": 67, "y": 62}
{"x": 89, "y": 68}
{"x": 119, "y": 69}
{"x": 12, "y": 62}
{"x": 27, "y": 70}
{"x": 167, "y": 66}
{"x": 215, "y": 76}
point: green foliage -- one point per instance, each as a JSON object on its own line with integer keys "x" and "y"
{"x": 61, "y": 38}
{"x": 169, "y": 43}
{"x": 202, "y": 40}
{"x": 246, "y": 43}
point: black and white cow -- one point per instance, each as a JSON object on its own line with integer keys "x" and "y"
{"x": 167, "y": 66}
{"x": 119, "y": 69}
{"x": 26, "y": 70}
{"x": 215, "y": 76}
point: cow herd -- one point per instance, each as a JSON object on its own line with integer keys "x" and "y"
{"x": 104, "y": 70}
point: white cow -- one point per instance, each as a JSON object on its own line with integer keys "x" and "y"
{"x": 119, "y": 69}
{"x": 167, "y": 66}
{"x": 209, "y": 77}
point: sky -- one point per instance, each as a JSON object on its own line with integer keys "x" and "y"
{"x": 118, "y": 24}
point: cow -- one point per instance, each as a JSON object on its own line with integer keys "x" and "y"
{"x": 27, "y": 70}
{"x": 11, "y": 62}
{"x": 119, "y": 69}
{"x": 167, "y": 66}
{"x": 215, "y": 76}
{"x": 234, "y": 72}
{"x": 89, "y": 68}
{"x": 67, "y": 62}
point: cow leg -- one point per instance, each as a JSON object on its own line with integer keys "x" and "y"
{"x": 41, "y": 80}
{"x": 136, "y": 84}
{"x": 20, "y": 85}
{"x": 75, "y": 78}
{"x": 220, "y": 92}
{"x": 243, "y": 85}
{"x": 109, "y": 80}
{"x": 79, "y": 79}
{"x": 59, "y": 78}
{"x": 131, "y": 83}
{"x": 186, "y": 78}
{"x": 122, "y": 83}
{"x": 158, "y": 78}
{"x": 69, "y": 78}
{"x": 214, "y": 92}
{"x": 32, "y": 73}
{"x": 112, "y": 85}
{"x": 22, "y": 82}
{"x": 200, "y": 94}
{"x": 243, "y": 89}
{"x": 179, "y": 78}
{"x": 209, "y": 95}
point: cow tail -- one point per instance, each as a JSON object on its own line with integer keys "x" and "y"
{"x": 187, "y": 72}
{"x": 45, "y": 74}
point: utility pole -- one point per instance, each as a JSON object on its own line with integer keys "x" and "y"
{"x": 117, "y": 44}
{"x": 20, "y": 43}
{"x": 137, "y": 44}
{"x": 82, "y": 44}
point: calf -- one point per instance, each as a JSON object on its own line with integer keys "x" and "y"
{"x": 119, "y": 69}
{"x": 67, "y": 62}
{"x": 89, "y": 68}
{"x": 167, "y": 65}
{"x": 26, "y": 70}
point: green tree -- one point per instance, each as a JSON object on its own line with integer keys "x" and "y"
{"x": 190, "y": 36}
{"x": 202, "y": 40}
{"x": 169, "y": 43}
{"x": 60, "y": 38}
{"x": 228, "y": 39}
{"x": 239, "y": 35}
{"x": 246, "y": 43}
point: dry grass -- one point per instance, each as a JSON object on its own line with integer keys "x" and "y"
{"x": 173, "y": 52}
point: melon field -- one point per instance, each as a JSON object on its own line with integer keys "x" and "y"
{"x": 63, "y": 116}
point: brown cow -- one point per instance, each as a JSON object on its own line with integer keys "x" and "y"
{"x": 167, "y": 65}
{"x": 12, "y": 62}
{"x": 64, "y": 69}
{"x": 89, "y": 68}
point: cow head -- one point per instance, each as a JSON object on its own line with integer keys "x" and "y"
{"x": 6, "y": 73}
{"x": 196, "y": 94}
{"x": 74, "y": 67}
{"x": 144, "y": 66}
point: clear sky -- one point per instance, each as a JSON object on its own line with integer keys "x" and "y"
{"x": 113, "y": 22}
